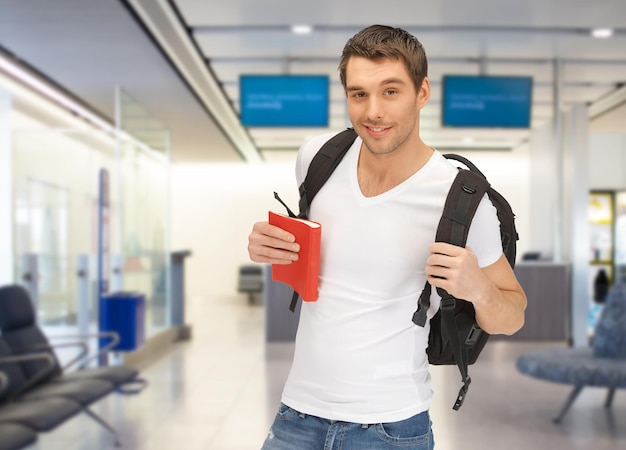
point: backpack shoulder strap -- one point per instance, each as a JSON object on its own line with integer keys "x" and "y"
{"x": 322, "y": 166}
{"x": 466, "y": 162}
{"x": 466, "y": 192}
{"x": 462, "y": 200}
{"x": 506, "y": 216}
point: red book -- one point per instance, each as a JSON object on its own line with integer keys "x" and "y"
{"x": 302, "y": 275}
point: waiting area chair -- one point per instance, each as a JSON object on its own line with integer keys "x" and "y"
{"x": 19, "y": 327}
{"x": 250, "y": 280}
{"x": 601, "y": 365}
{"x": 21, "y": 419}
{"x": 36, "y": 379}
{"x": 14, "y": 436}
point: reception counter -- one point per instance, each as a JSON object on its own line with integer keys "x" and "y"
{"x": 547, "y": 286}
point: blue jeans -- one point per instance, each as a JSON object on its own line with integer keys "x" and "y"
{"x": 293, "y": 430}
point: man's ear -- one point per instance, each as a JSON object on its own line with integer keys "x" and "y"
{"x": 423, "y": 95}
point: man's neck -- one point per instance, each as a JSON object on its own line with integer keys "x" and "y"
{"x": 379, "y": 173}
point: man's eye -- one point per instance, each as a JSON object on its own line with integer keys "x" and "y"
{"x": 390, "y": 92}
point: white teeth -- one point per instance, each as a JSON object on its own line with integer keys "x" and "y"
{"x": 376, "y": 130}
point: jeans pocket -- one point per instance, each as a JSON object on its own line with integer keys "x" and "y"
{"x": 415, "y": 431}
{"x": 285, "y": 412}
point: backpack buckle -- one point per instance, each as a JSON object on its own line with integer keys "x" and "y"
{"x": 421, "y": 314}
{"x": 473, "y": 335}
{"x": 462, "y": 394}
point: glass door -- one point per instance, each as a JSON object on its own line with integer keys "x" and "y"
{"x": 41, "y": 234}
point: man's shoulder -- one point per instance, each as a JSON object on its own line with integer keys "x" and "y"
{"x": 309, "y": 148}
{"x": 316, "y": 142}
{"x": 442, "y": 167}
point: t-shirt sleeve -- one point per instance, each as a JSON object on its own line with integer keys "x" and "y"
{"x": 484, "y": 234}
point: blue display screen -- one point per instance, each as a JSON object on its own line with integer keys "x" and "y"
{"x": 486, "y": 101}
{"x": 284, "y": 100}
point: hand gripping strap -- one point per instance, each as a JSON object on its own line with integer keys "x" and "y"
{"x": 465, "y": 194}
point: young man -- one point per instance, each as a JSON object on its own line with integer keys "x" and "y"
{"x": 359, "y": 378}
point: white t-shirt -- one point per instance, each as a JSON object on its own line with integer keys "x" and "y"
{"x": 358, "y": 355}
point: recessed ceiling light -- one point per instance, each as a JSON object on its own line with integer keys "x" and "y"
{"x": 602, "y": 32}
{"x": 301, "y": 29}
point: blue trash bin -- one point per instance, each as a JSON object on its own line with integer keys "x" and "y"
{"x": 124, "y": 313}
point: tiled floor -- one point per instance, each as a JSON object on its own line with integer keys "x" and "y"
{"x": 220, "y": 390}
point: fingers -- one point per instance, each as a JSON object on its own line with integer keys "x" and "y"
{"x": 444, "y": 248}
{"x": 440, "y": 276}
{"x": 448, "y": 255}
{"x": 443, "y": 257}
{"x": 443, "y": 264}
{"x": 270, "y": 244}
{"x": 454, "y": 269}
{"x": 437, "y": 272}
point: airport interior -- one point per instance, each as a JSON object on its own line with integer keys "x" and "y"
{"x": 140, "y": 140}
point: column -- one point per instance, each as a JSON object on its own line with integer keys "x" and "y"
{"x": 576, "y": 221}
{"x": 6, "y": 190}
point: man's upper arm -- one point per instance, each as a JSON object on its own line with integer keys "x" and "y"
{"x": 502, "y": 275}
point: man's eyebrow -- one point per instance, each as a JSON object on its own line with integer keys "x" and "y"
{"x": 383, "y": 83}
{"x": 392, "y": 81}
{"x": 353, "y": 88}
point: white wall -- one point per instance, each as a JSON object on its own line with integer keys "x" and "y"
{"x": 213, "y": 209}
{"x": 607, "y": 161}
{"x": 215, "y": 206}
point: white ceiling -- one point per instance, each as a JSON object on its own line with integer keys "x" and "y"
{"x": 89, "y": 46}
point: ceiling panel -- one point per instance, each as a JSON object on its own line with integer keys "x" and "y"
{"x": 182, "y": 58}
{"x": 492, "y": 37}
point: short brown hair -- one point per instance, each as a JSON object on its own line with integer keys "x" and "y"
{"x": 381, "y": 41}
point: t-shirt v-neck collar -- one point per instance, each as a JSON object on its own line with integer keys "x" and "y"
{"x": 353, "y": 160}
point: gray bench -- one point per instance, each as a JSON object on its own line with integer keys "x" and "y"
{"x": 602, "y": 365}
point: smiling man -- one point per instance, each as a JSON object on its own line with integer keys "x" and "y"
{"x": 359, "y": 378}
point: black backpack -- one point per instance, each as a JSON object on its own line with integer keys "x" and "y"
{"x": 455, "y": 338}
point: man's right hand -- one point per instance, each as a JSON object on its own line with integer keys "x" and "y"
{"x": 271, "y": 244}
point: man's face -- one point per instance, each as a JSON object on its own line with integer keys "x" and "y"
{"x": 383, "y": 103}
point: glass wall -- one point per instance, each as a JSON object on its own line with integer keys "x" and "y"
{"x": 55, "y": 197}
{"x": 56, "y": 218}
{"x": 143, "y": 158}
